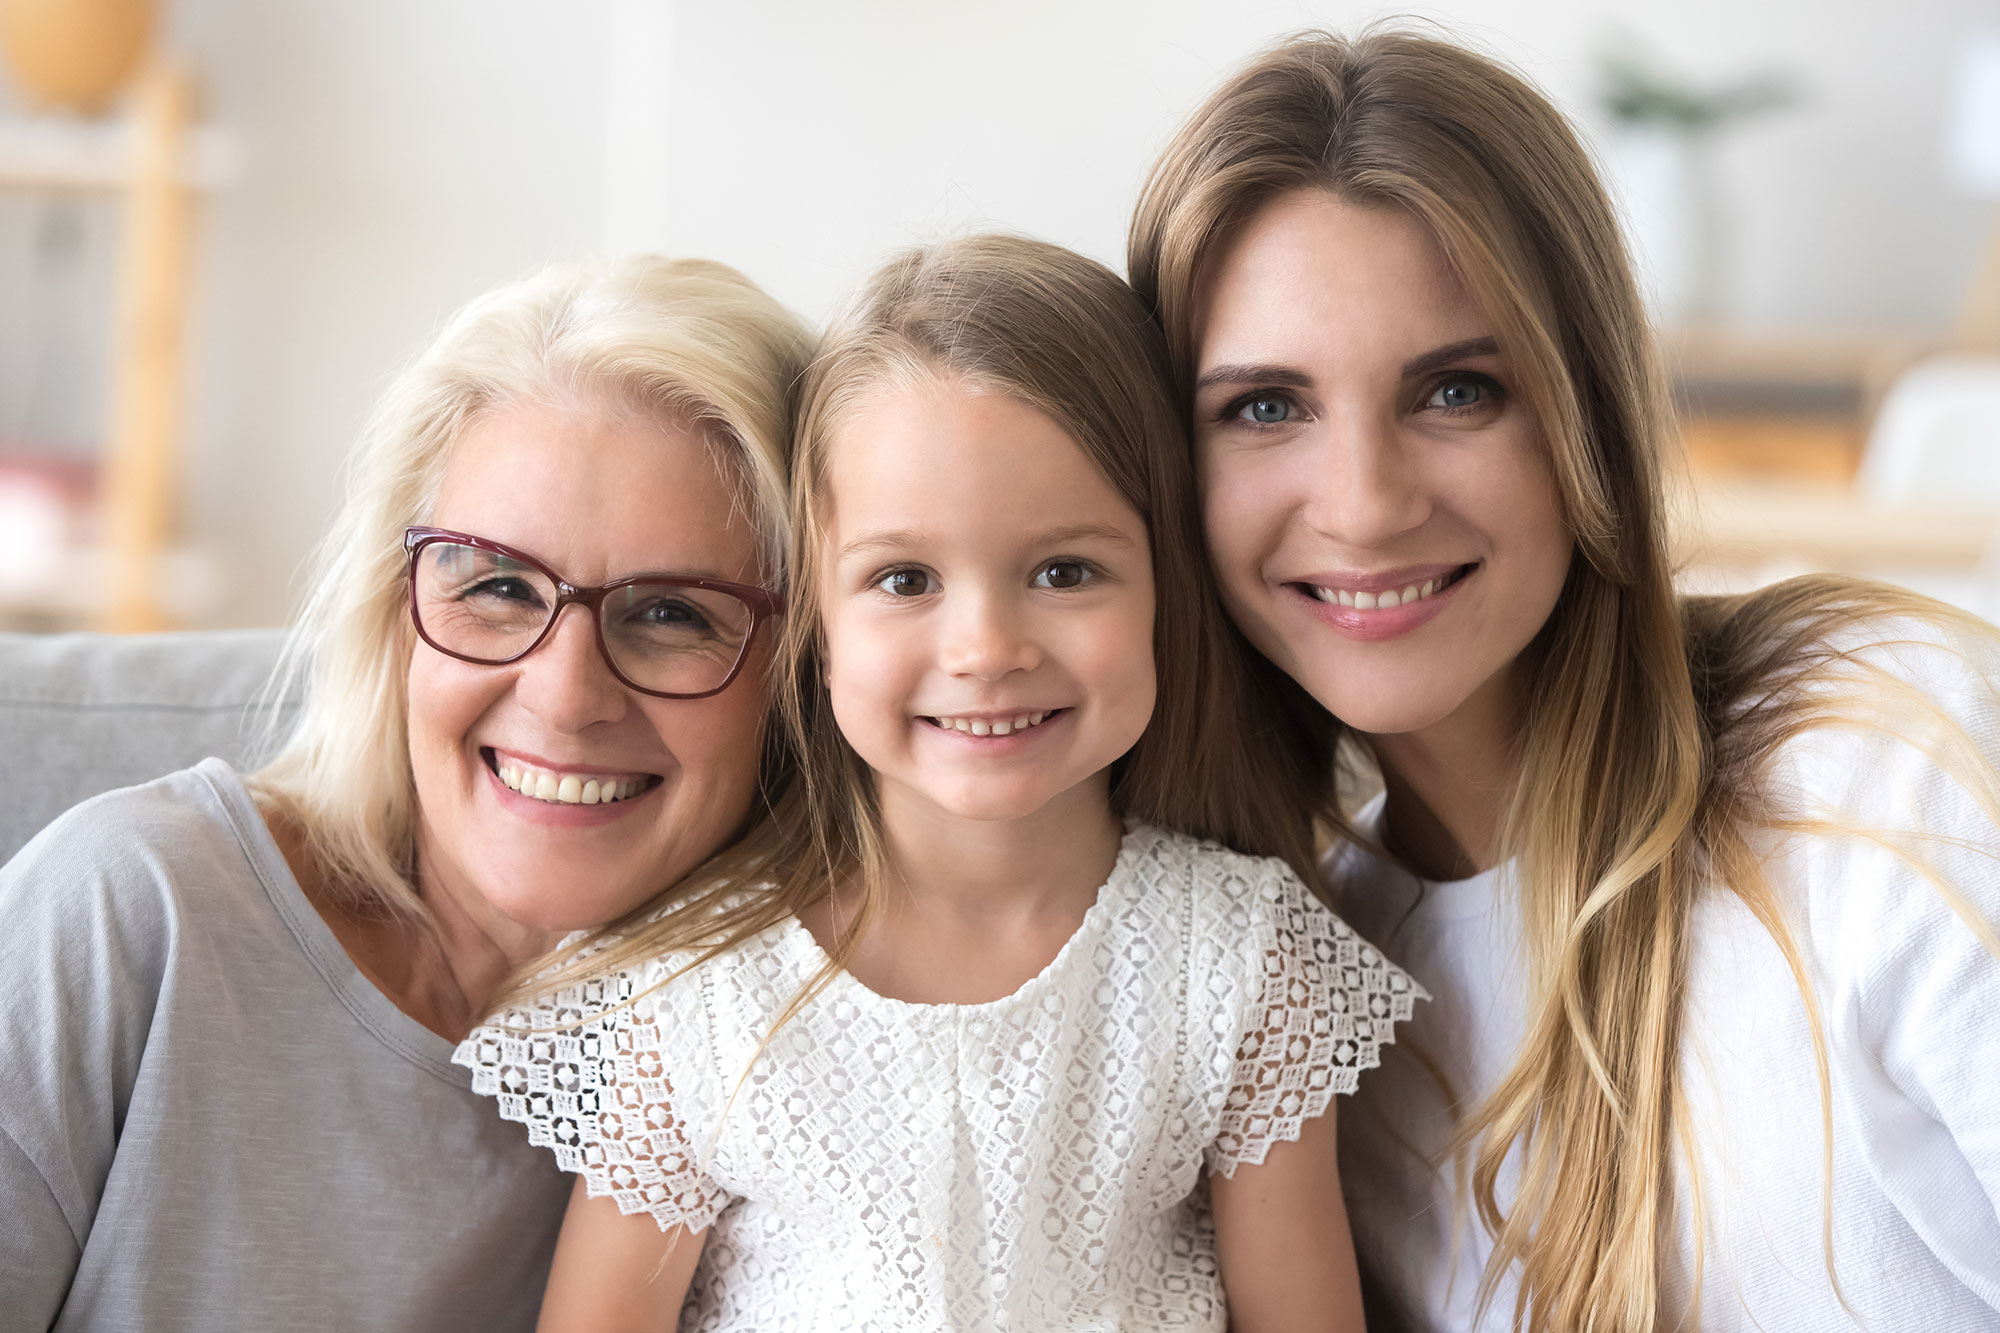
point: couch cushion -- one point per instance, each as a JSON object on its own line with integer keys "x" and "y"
{"x": 84, "y": 713}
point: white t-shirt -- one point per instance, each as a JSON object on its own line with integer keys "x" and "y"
{"x": 1031, "y": 1164}
{"x": 1911, "y": 1003}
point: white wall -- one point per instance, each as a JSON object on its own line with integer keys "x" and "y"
{"x": 402, "y": 155}
{"x": 812, "y": 136}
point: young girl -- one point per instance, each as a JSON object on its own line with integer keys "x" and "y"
{"x": 1707, "y": 887}
{"x": 974, "y": 1034}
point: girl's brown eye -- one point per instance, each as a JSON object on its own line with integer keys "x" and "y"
{"x": 905, "y": 583}
{"x": 1062, "y": 574}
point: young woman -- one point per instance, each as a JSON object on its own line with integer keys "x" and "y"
{"x": 1706, "y": 888}
{"x": 981, "y": 1038}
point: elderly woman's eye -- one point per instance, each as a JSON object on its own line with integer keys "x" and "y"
{"x": 905, "y": 583}
{"x": 502, "y": 588}
{"x": 672, "y": 613}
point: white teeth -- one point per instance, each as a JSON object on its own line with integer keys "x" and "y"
{"x": 1005, "y": 726}
{"x": 1374, "y": 601}
{"x": 567, "y": 788}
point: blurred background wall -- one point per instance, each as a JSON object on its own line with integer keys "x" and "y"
{"x": 389, "y": 159}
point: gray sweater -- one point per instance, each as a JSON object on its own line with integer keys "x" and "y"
{"x": 210, "y": 1120}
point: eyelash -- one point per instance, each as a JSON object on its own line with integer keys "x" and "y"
{"x": 1232, "y": 411}
{"x": 1092, "y": 573}
{"x": 1495, "y": 393}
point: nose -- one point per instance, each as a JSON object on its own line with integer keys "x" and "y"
{"x": 985, "y": 636}
{"x": 565, "y": 681}
{"x": 1367, "y": 487}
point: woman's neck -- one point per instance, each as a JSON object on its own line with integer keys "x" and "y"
{"x": 445, "y": 978}
{"x": 1447, "y": 785}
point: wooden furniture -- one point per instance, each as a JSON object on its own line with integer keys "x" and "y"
{"x": 157, "y": 163}
{"x": 1739, "y": 524}
{"x": 1792, "y": 404}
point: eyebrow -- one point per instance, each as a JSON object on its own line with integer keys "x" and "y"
{"x": 1249, "y": 374}
{"x": 894, "y": 539}
{"x": 1465, "y": 349}
{"x": 1291, "y": 377}
{"x": 898, "y": 539}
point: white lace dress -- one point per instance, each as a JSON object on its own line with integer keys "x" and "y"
{"x": 1034, "y": 1163}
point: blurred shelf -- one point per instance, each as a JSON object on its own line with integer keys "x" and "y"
{"x": 1783, "y": 403}
{"x": 156, "y": 159}
{"x": 1747, "y": 525}
{"x": 65, "y": 153}
{"x": 187, "y": 592}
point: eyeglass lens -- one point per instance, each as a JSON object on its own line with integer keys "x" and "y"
{"x": 661, "y": 636}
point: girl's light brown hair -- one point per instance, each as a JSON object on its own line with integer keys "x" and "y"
{"x": 1649, "y": 720}
{"x": 1034, "y": 322}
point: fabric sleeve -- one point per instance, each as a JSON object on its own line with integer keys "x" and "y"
{"x": 590, "y": 1070}
{"x": 1319, "y": 1003}
{"x": 1914, "y": 1012}
{"x": 85, "y": 931}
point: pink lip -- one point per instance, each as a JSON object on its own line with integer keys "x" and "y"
{"x": 582, "y": 770}
{"x": 554, "y": 814}
{"x": 1387, "y": 580}
{"x": 1379, "y": 624}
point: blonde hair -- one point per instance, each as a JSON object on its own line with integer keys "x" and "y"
{"x": 1039, "y": 324}
{"x": 684, "y": 339}
{"x": 1650, "y": 721}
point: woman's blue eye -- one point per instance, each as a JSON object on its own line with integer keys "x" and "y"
{"x": 1062, "y": 574}
{"x": 1265, "y": 410}
{"x": 1457, "y": 394}
{"x": 905, "y": 583}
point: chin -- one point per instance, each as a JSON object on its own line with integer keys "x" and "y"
{"x": 1390, "y": 712}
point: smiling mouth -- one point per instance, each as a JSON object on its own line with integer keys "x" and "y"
{"x": 995, "y": 726}
{"x": 541, "y": 784}
{"x": 1388, "y": 598}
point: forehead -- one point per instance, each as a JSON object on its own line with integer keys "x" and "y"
{"x": 1318, "y": 274}
{"x": 951, "y": 460}
{"x": 597, "y": 492}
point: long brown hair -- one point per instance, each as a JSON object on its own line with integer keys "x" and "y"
{"x": 1002, "y": 315}
{"x": 1649, "y": 720}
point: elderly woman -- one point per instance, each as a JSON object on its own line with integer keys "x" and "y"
{"x": 535, "y": 657}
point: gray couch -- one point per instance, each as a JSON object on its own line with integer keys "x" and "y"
{"x": 84, "y": 713}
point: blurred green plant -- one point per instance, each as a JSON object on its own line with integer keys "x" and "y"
{"x": 1636, "y": 93}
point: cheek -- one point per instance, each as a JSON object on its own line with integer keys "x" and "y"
{"x": 445, "y": 699}
{"x": 866, "y": 672}
{"x": 1241, "y": 516}
{"x": 716, "y": 741}
{"x": 1521, "y": 507}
